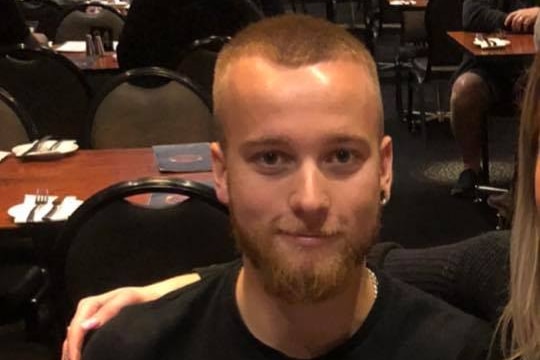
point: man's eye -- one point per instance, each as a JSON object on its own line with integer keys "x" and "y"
{"x": 341, "y": 156}
{"x": 272, "y": 160}
{"x": 269, "y": 158}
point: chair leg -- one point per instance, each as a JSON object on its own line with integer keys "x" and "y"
{"x": 422, "y": 106}
{"x": 485, "y": 150}
{"x": 440, "y": 112}
{"x": 331, "y": 10}
{"x": 399, "y": 95}
{"x": 410, "y": 95}
{"x": 293, "y": 5}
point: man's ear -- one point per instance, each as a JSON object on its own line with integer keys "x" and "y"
{"x": 386, "y": 173}
{"x": 219, "y": 169}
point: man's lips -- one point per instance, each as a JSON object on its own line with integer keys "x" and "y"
{"x": 307, "y": 238}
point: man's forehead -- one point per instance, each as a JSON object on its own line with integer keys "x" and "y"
{"x": 257, "y": 76}
{"x": 254, "y": 63}
{"x": 253, "y": 79}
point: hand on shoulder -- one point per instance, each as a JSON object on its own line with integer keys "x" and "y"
{"x": 94, "y": 311}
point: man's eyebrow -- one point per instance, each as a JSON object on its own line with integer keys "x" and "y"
{"x": 345, "y": 139}
{"x": 281, "y": 140}
{"x": 266, "y": 141}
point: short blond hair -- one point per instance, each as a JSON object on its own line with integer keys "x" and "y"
{"x": 292, "y": 41}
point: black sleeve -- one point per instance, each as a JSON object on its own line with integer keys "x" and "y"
{"x": 13, "y": 29}
{"x": 378, "y": 252}
{"x": 471, "y": 274}
{"x": 482, "y": 16}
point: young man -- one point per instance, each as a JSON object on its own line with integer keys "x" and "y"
{"x": 305, "y": 168}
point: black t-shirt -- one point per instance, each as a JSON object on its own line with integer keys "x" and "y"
{"x": 13, "y": 29}
{"x": 202, "y": 322}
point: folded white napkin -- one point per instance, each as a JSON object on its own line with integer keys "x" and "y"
{"x": 402, "y": 2}
{"x": 65, "y": 209}
{"x": 3, "y": 155}
{"x": 491, "y": 42}
{"x": 63, "y": 147}
{"x": 72, "y": 46}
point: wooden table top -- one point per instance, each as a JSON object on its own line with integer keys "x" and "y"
{"x": 81, "y": 174}
{"x": 84, "y": 62}
{"x": 520, "y": 45}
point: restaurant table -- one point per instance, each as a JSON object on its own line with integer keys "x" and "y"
{"x": 521, "y": 45}
{"x": 82, "y": 174}
{"x": 106, "y": 62}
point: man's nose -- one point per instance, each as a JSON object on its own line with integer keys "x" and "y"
{"x": 310, "y": 198}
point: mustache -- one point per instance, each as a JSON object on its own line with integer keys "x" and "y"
{"x": 298, "y": 228}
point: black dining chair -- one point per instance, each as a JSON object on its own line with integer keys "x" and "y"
{"x": 355, "y": 16}
{"x": 110, "y": 241}
{"x": 50, "y": 87}
{"x": 441, "y": 59}
{"x": 16, "y": 127}
{"x": 90, "y": 18}
{"x": 199, "y": 59}
{"x": 23, "y": 285}
{"x": 148, "y": 106}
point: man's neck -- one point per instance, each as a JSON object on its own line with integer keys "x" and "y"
{"x": 303, "y": 331}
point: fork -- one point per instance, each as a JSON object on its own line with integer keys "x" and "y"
{"x": 41, "y": 199}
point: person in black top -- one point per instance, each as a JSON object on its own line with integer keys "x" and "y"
{"x": 305, "y": 168}
{"x": 13, "y": 29}
{"x": 157, "y": 32}
{"x": 478, "y": 85}
{"x": 272, "y": 7}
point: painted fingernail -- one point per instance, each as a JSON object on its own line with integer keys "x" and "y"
{"x": 89, "y": 324}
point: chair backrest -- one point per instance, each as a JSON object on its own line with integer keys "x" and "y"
{"x": 442, "y": 16}
{"x": 110, "y": 242}
{"x": 49, "y": 86}
{"x": 413, "y": 29}
{"x": 16, "y": 126}
{"x": 148, "y": 106}
{"x": 46, "y": 12}
{"x": 199, "y": 60}
{"x": 90, "y": 18}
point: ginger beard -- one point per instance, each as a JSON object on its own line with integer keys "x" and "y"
{"x": 316, "y": 277}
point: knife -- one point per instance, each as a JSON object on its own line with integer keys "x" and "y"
{"x": 56, "y": 145}
{"x": 35, "y": 146}
{"x": 56, "y": 206}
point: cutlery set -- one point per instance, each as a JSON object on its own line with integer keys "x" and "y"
{"x": 490, "y": 42}
{"x": 44, "y": 147}
{"x": 39, "y": 145}
{"x": 42, "y": 199}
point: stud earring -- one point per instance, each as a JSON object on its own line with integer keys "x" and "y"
{"x": 384, "y": 199}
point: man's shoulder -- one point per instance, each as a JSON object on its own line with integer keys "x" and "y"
{"x": 429, "y": 324}
{"x": 138, "y": 330}
{"x": 413, "y": 302}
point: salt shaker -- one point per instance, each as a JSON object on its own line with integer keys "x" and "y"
{"x": 100, "y": 51}
{"x": 90, "y": 48}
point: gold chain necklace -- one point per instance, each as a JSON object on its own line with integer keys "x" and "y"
{"x": 374, "y": 283}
